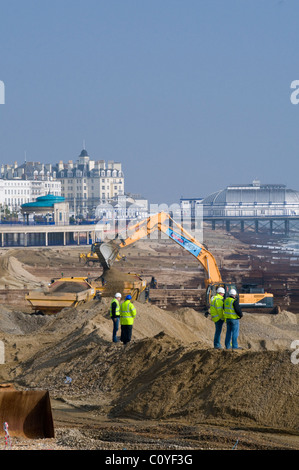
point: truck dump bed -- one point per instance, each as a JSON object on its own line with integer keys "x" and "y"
{"x": 65, "y": 292}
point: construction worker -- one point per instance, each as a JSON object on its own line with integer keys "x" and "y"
{"x": 115, "y": 315}
{"x": 216, "y": 311}
{"x": 232, "y": 313}
{"x": 127, "y": 316}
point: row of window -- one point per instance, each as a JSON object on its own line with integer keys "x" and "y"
{"x": 71, "y": 196}
{"x": 16, "y": 201}
{"x": 5, "y": 183}
{"x": 101, "y": 173}
{"x": 22, "y": 191}
{"x": 72, "y": 181}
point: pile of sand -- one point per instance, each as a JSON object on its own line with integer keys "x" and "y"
{"x": 171, "y": 369}
{"x": 13, "y": 273}
{"x": 44, "y": 256}
{"x": 115, "y": 281}
{"x": 162, "y": 380}
{"x": 70, "y": 287}
{"x": 32, "y": 257}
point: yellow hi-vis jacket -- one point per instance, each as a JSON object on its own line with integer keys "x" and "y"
{"x": 127, "y": 313}
{"x": 117, "y": 308}
{"x": 229, "y": 311}
{"x": 216, "y": 308}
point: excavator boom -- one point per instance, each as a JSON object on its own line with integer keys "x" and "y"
{"x": 108, "y": 252}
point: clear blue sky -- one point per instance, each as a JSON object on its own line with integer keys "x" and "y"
{"x": 190, "y": 95}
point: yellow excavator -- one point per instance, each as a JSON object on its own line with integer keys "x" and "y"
{"x": 109, "y": 251}
{"x": 89, "y": 258}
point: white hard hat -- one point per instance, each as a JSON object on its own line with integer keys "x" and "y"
{"x": 220, "y": 290}
{"x": 117, "y": 295}
{"x": 232, "y": 292}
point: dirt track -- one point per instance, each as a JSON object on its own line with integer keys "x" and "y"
{"x": 168, "y": 389}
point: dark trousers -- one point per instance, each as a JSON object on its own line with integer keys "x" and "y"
{"x": 126, "y": 333}
{"x": 115, "y": 329}
{"x": 218, "y": 330}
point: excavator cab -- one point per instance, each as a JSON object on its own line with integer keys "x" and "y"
{"x": 212, "y": 291}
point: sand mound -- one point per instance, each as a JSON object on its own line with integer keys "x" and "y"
{"x": 186, "y": 325}
{"x": 115, "y": 280}
{"x": 16, "y": 323}
{"x": 162, "y": 380}
{"x": 32, "y": 257}
{"x": 70, "y": 287}
{"x": 171, "y": 370}
{"x": 13, "y": 273}
{"x": 44, "y": 256}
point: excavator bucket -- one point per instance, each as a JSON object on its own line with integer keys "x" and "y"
{"x": 107, "y": 253}
{"x": 26, "y": 413}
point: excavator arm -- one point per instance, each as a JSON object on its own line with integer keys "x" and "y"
{"x": 165, "y": 224}
{"x": 108, "y": 252}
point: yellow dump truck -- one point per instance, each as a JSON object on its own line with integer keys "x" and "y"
{"x": 113, "y": 281}
{"x": 73, "y": 291}
{"x": 61, "y": 293}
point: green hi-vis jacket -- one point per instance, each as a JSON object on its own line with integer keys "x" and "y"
{"x": 216, "y": 308}
{"x": 127, "y": 313}
{"x": 114, "y": 309}
{"x": 229, "y": 310}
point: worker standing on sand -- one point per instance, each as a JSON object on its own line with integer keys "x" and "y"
{"x": 127, "y": 316}
{"x": 232, "y": 313}
{"x": 115, "y": 315}
{"x": 216, "y": 311}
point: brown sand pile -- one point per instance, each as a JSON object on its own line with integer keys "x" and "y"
{"x": 32, "y": 257}
{"x": 44, "y": 256}
{"x": 72, "y": 287}
{"x": 114, "y": 281}
{"x": 13, "y": 273}
{"x": 171, "y": 370}
{"x": 206, "y": 386}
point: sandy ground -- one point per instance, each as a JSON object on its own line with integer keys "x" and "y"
{"x": 168, "y": 389}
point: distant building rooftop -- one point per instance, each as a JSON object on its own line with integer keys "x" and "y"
{"x": 255, "y": 193}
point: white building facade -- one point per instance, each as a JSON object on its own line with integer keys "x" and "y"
{"x": 15, "y": 192}
{"x": 88, "y": 183}
{"x": 84, "y": 184}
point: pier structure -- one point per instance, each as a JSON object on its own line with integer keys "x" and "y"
{"x": 48, "y": 235}
{"x": 269, "y": 208}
